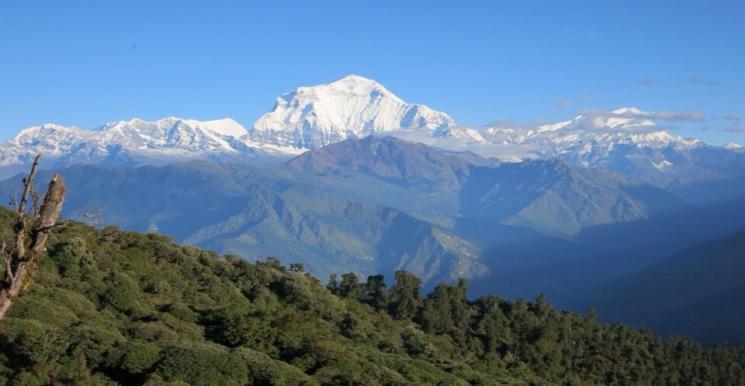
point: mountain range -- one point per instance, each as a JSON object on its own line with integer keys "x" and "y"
{"x": 625, "y": 140}
{"x": 380, "y": 204}
{"x": 347, "y": 177}
{"x": 370, "y": 205}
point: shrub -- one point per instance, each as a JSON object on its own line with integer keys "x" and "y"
{"x": 203, "y": 365}
{"x": 140, "y": 356}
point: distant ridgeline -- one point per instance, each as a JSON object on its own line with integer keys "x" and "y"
{"x": 113, "y": 307}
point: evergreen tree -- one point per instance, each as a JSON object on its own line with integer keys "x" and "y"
{"x": 405, "y": 297}
{"x": 333, "y": 284}
{"x": 446, "y": 310}
{"x": 375, "y": 294}
{"x": 350, "y": 286}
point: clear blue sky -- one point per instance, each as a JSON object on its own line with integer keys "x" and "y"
{"x": 84, "y": 63}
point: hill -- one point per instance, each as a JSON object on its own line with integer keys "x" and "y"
{"x": 341, "y": 208}
{"x": 113, "y": 307}
{"x": 556, "y": 198}
{"x": 696, "y": 293}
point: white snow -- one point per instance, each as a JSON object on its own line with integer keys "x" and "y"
{"x": 463, "y": 133}
{"x": 351, "y": 107}
{"x": 167, "y": 139}
{"x": 663, "y": 165}
{"x": 589, "y": 139}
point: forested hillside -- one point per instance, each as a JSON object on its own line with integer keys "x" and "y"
{"x": 113, "y": 307}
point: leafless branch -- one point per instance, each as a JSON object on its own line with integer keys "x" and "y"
{"x": 35, "y": 200}
{"x": 27, "y": 183}
{"x": 8, "y": 260}
{"x": 31, "y": 235}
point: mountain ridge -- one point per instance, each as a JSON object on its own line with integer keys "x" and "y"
{"x": 625, "y": 140}
{"x": 348, "y": 204}
{"x": 695, "y": 292}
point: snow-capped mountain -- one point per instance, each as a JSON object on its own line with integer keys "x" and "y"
{"x": 733, "y": 146}
{"x": 466, "y": 134}
{"x": 626, "y": 140}
{"x": 589, "y": 138}
{"x": 351, "y": 107}
{"x": 355, "y": 107}
{"x": 136, "y": 142}
{"x": 586, "y": 139}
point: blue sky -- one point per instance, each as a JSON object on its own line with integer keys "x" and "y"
{"x": 84, "y": 63}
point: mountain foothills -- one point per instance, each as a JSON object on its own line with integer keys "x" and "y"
{"x": 709, "y": 309}
{"x": 113, "y": 307}
{"x": 347, "y": 177}
{"x": 370, "y": 206}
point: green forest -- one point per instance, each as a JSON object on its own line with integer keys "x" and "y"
{"x": 112, "y": 307}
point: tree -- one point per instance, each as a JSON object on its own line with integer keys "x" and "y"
{"x": 375, "y": 294}
{"x": 31, "y": 233}
{"x": 446, "y": 309}
{"x": 90, "y": 215}
{"x": 350, "y": 286}
{"x": 436, "y": 317}
{"x": 542, "y": 309}
{"x": 492, "y": 325}
{"x": 297, "y": 268}
{"x": 333, "y": 284}
{"x": 404, "y": 296}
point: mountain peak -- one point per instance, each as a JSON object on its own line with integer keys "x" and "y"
{"x": 39, "y": 130}
{"x": 354, "y": 78}
{"x": 133, "y": 141}
{"x": 225, "y": 127}
{"x": 355, "y": 81}
{"x": 350, "y": 107}
{"x": 350, "y": 86}
{"x": 627, "y": 110}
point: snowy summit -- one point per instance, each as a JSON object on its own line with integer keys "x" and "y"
{"x": 356, "y": 107}
{"x": 135, "y": 141}
{"x": 351, "y": 107}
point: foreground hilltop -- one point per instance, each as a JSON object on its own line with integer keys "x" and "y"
{"x": 113, "y": 307}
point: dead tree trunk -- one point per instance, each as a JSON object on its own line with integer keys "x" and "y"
{"x": 31, "y": 232}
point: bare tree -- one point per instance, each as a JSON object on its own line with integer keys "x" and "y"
{"x": 90, "y": 215}
{"x": 31, "y": 233}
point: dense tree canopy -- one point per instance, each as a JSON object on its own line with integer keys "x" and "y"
{"x": 110, "y": 307}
